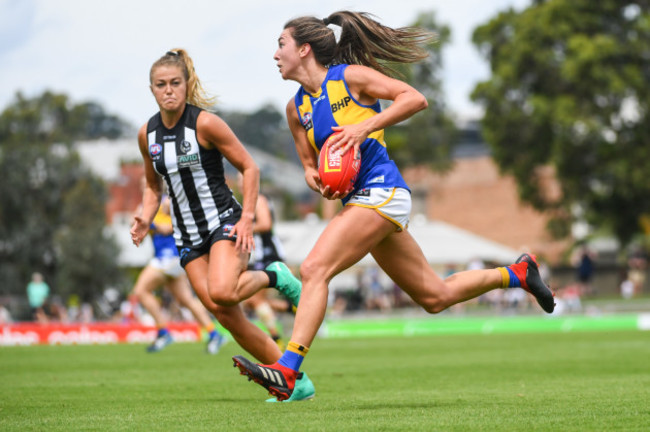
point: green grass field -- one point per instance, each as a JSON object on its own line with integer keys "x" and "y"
{"x": 591, "y": 381}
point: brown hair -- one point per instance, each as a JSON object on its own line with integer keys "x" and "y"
{"x": 363, "y": 40}
{"x": 178, "y": 57}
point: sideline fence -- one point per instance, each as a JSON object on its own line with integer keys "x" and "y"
{"x": 106, "y": 333}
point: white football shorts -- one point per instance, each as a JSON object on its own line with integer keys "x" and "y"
{"x": 170, "y": 266}
{"x": 393, "y": 204}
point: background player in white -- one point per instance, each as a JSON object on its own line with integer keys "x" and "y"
{"x": 164, "y": 270}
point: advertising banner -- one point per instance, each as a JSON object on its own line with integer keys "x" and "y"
{"x": 94, "y": 333}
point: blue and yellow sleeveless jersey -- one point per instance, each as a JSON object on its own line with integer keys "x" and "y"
{"x": 164, "y": 245}
{"x": 335, "y": 106}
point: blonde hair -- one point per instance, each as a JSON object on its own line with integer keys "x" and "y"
{"x": 196, "y": 94}
{"x": 363, "y": 40}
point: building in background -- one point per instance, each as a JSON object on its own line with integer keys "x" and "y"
{"x": 475, "y": 196}
{"x": 472, "y": 196}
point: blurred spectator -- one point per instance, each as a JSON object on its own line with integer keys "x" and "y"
{"x": 585, "y": 268}
{"x": 339, "y": 305}
{"x": 132, "y": 312}
{"x": 637, "y": 264}
{"x": 37, "y": 293}
{"x": 399, "y": 298}
{"x": 515, "y": 299}
{"x": 109, "y": 304}
{"x": 5, "y": 316}
{"x": 627, "y": 288}
{"x": 74, "y": 311}
{"x": 86, "y": 315}
{"x": 375, "y": 297}
{"x": 495, "y": 299}
{"x": 571, "y": 294}
{"x": 56, "y": 310}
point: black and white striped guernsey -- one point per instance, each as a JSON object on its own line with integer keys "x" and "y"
{"x": 200, "y": 197}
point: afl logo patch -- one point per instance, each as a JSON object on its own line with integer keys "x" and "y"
{"x": 155, "y": 150}
{"x": 226, "y": 229}
{"x": 306, "y": 121}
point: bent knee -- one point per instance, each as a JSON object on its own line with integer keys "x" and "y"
{"x": 223, "y": 296}
{"x": 139, "y": 292}
{"x": 313, "y": 269}
{"x": 306, "y": 270}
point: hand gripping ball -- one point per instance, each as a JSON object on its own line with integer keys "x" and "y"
{"x": 335, "y": 170}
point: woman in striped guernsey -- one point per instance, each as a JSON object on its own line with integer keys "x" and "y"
{"x": 185, "y": 145}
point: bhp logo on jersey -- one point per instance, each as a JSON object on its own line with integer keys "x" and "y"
{"x": 336, "y": 106}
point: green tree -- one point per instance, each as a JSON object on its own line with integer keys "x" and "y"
{"x": 52, "y": 209}
{"x": 427, "y": 137}
{"x": 265, "y": 128}
{"x": 569, "y": 90}
{"x": 52, "y": 118}
{"x": 86, "y": 252}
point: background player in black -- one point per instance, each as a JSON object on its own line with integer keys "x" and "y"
{"x": 267, "y": 251}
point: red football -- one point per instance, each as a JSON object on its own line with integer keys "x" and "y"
{"x": 339, "y": 172}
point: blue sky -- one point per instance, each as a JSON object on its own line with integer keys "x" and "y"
{"x": 102, "y": 51}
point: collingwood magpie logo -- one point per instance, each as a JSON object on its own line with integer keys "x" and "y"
{"x": 187, "y": 159}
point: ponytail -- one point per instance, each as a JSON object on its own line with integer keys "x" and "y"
{"x": 178, "y": 57}
{"x": 363, "y": 40}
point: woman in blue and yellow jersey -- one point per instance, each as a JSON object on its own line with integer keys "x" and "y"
{"x": 341, "y": 85}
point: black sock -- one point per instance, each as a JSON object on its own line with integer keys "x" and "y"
{"x": 273, "y": 278}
